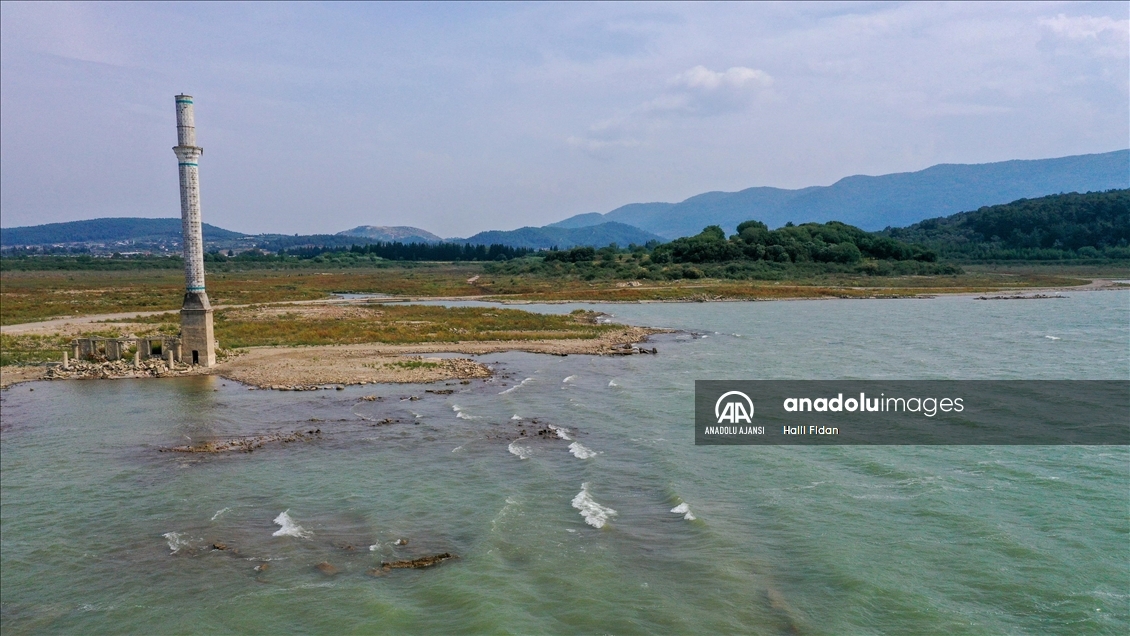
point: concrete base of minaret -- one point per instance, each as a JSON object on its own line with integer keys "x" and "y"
{"x": 198, "y": 341}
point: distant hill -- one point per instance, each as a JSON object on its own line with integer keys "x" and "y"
{"x": 547, "y": 237}
{"x": 108, "y": 230}
{"x": 401, "y": 234}
{"x": 874, "y": 203}
{"x": 1061, "y": 226}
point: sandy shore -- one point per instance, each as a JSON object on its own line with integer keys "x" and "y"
{"x": 275, "y": 367}
{"x": 14, "y": 374}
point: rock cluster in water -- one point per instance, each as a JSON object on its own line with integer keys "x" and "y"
{"x": 88, "y": 370}
{"x": 244, "y": 444}
{"x": 1021, "y": 297}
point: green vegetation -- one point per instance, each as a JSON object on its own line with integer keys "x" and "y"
{"x": 755, "y": 253}
{"x": 1073, "y": 226}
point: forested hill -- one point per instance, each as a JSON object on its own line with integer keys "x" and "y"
{"x": 1092, "y": 225}
{"x": 108, "y": 229}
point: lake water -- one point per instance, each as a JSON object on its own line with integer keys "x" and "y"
{"x": 623, "y": 527}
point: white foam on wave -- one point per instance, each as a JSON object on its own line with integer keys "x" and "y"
{"x": 175, "y": 540}
{"x": 569, "y": 379}
{"x": 562, "y": 433}
{"x": 288, "y": 527}
{"x": 219, "y": 512}
{"x": 1051, "y": 338}
{"x": 612, "y": 383}
{"x": 516, "y": 417}
{"x": 685, "y": 510}
{"x": 461, "y": 414}
{"x": 581, "y": 452}
{"x": 517, "y": 386}
{"x": 595, "y": 514}
{"x": 523, "y": 452}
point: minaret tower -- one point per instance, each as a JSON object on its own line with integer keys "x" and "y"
{"x": 198, "y": 344}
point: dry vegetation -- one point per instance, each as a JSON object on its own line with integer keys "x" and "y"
{"x": 42, "y": 295}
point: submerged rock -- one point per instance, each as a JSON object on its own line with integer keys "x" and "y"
{"x": 327, "y": 568}
{"x": 422, "y": 562}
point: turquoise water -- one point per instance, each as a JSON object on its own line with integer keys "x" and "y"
{"x": 101, "y": 533}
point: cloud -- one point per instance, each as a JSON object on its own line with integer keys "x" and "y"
{"x": 599, "y": 146}
{"x": 1085, "y": 27}
{"x": 735, "y": 77}
{"x": 696, "y": 92}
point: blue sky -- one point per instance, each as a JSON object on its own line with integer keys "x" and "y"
{"x": 462, "y": 117}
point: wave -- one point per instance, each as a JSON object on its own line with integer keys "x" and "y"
{"x": 176, "y": 541}
{"x": 612, "y": 383}
{"x": 595, "y": 514}
{"x": 516, "y": 417}
{"x": 580, "y": 452}
{"x": 562, "y": 433}
{"x": 459, "y": 413}
{"x": 289, "y": 527}
{"x": 219, "y": 512}
{"x": 523, "y": 452}
{"x": 517, "y": 386}
{"x": 685, "y": 510}
{"x": 1051, "y": 338}
{"x": 569, "y": 379}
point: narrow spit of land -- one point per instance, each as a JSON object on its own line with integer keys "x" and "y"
{"x": 289, "y": 346}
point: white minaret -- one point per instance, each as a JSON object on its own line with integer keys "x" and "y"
{"x": 198, "y": 343}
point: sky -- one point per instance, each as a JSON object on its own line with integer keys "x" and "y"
{"x": 458, "y": 118}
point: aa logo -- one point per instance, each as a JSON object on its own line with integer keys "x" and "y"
{"x": 734, "y": 407}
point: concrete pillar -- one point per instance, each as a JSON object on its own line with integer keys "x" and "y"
{"x": 180, "y": 354}
{"x": 137, "y": 359}
{"x": 66, "y": 364}
{"x": 74, "y": 346}
{"x": 169, "y": 357}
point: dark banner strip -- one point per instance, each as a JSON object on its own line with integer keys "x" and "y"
{"x": 933, "y": 412}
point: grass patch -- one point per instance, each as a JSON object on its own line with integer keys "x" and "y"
{"x": 399, "y": 324}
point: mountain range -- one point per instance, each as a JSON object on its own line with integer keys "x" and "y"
{"x": 873, "y": 203}
{"x": 109, "y": 230}
{"x": 596, "y": 235}
{"x": 870, "y": 202}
